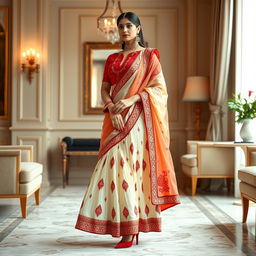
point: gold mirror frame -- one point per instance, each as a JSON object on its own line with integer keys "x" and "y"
{"x": 4, "y": 63}
{"x": 91, "y": 107}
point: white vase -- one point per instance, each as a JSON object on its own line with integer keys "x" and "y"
{"x": 247, "y": 132}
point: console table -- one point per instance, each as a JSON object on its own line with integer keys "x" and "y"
{"x": 76, "y": 147}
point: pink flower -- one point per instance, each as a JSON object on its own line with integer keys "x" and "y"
{"x": 250, "y": 93}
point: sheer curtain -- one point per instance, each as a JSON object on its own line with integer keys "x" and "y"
{"x": 245, "y": 51}
{"x": 223, "y": 11}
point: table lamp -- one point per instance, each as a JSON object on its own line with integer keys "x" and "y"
{"x": 197, "y": 90}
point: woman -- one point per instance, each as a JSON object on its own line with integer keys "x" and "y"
{"x": 134, "y": 178}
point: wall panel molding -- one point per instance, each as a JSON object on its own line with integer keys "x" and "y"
{"x": 30, "y": 36}
{"x": 36, "y": 141}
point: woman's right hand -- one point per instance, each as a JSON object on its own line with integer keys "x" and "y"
{"x": 117, "y": 119}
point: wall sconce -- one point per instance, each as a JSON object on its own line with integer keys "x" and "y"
{"x": 30, "y": 60}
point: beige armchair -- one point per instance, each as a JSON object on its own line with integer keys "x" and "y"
{"x": 20, "y": 176}
{"x": 204, "y": 159}
{"x": 247, "y": 186}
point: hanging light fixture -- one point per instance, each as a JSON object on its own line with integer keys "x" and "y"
{"x": 106, "y": 22}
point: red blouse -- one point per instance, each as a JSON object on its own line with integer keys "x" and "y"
{"x": 116, "y": 67}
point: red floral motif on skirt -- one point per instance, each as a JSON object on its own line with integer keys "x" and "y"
{"x": 147, "y": 210}
{"x": 135, "y": 185}
{"x": 125, "y": 185}
{"x": 122, "y": 162}
{"x": 125, "y": 212}
{"x": 137, "y": 165}
{"x": 113, "y": 213}
{"x": 112, "y": 186}
{"x": 158, "y": 209}
{"x": 135, "y": 210}
{"x": 144, "y": 165}
{"x": 98, "y": 210}
{"x": 100, "y": 184}
{"x": 112, "y": 161}
{"x": 131, "y": 148}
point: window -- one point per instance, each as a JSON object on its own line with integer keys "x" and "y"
{"x": 246, "y": 47}
{"x": 245, "y": 50}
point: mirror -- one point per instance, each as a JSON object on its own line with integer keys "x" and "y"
{"x": 3, "y": 62}
{"x": 95, "y": 55}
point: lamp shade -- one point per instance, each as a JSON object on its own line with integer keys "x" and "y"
{"x": 197, "y": 89}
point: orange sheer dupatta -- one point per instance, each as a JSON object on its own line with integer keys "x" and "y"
{"x": 154, "y": 96}
{"x": 149, "y": 83}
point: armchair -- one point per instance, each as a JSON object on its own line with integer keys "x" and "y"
{"x": 247, "y": 186}
{"x": 20, "y": 176}
{"x": 204, "y": 159}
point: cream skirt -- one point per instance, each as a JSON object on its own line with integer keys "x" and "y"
{"x": 118, "y": 198}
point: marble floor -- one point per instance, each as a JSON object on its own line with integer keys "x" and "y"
{"x": 206, "y": 224}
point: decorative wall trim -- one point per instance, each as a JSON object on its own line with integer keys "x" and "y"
{"x": 21, "y": 103}
{"x": 28, "y": 128}
{"x": 22, "y": 77}
{"x": 21, "y": 140}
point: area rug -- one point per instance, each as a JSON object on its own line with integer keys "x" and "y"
{"x": 191, "y": 228}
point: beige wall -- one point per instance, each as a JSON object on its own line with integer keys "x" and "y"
{"x": 51, "y": 107}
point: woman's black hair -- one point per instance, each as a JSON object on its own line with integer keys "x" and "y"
{"x": 132, "y": 17}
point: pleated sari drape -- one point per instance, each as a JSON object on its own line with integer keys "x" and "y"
{"x": 134, "y": 179}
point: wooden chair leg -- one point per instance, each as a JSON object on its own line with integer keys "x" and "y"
{"x": 67, "y": 170}
{"x": 23, "y": 205}
{"x": 37, "y": 196}
{"x": 64, "y": 171}
{"x": 229, "y": 182}
{"x": 194, "y": 184}
{"x": 245, "y": 203}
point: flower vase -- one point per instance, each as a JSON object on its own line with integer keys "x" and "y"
{"x": 246, "y": 132}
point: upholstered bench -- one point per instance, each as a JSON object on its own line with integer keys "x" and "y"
{"x": 20, "y": 176}
{"x": 76, "y": 147}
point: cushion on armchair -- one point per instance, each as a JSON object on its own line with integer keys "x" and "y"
{"x": 189, "y": 160}
{"x": 29, "y": 171}
{"x": 248, "y": 175}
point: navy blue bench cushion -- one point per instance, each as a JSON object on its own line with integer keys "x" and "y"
{"x": 82, "y": 144}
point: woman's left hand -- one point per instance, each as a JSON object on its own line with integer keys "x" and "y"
{"x": 121, "y": 105}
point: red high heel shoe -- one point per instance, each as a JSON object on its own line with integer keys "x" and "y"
{"x": 127, "y": 244}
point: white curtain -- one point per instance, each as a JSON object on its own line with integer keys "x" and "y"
{"x": 223, "y": 11}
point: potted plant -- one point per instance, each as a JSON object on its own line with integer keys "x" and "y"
{"x": 245, "y": 109}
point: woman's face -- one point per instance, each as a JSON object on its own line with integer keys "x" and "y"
{"x": 127, "y": 30}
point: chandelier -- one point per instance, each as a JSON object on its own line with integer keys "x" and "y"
{"x": 106, "y": 22}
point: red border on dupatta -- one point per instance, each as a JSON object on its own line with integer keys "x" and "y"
{"x": 117, "y": 229}
{"x": 173, "y": 199}
{"x": 132, "y": 119}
